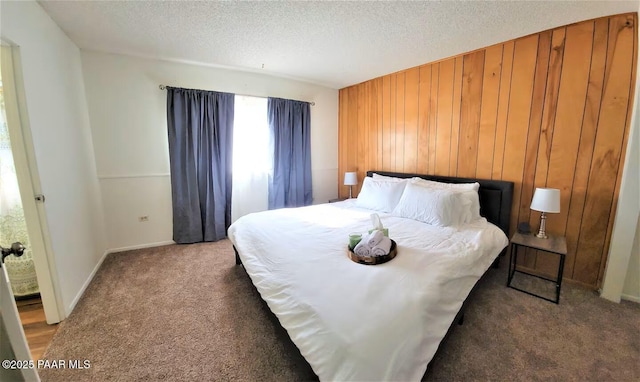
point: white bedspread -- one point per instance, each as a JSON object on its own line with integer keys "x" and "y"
{"x": 362, "y": 322}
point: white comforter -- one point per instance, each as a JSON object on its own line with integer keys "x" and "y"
{"x": 362, "y": 322}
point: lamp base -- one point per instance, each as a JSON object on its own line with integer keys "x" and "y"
{"x": 543, "y": 223}
{"x": 542, "y": 235}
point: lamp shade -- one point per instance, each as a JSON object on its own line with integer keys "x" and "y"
{"x": 350, "y": 178}
{"x": 546, "y": 200}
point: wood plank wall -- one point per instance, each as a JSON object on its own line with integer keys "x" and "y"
{"x": 547, "y": 110}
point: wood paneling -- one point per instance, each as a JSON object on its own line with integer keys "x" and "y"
{"x": 412, "y": 83}
{"x": 489, "y": 111}
{"x": 587, "y": 140}
{"x": 424, "y": 115}
{"x": 433, "y": 121}
{"x": 547, "y": 110}
{"x": 533, "y": 139}
{"x": 443, "y": 122}
{"x": 471, "y": 102}
{"x": 606, "y": 161}
{"x": 503, "y": 108}
{"x": 399, "y": 116}
{"x": 455, "y": 118}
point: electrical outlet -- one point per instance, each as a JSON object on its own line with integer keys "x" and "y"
{"x": 144, "y": 218}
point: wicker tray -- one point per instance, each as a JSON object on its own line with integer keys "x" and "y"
{"x": 373, "y": 260}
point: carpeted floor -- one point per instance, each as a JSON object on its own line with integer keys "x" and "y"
{"x": 188, "y": 313}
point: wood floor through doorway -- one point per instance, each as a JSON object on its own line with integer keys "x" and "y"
{"x": 34, "y": 323}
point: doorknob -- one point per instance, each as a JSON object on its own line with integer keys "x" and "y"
{"x": 16, "y": 249}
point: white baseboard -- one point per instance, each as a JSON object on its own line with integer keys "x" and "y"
{"x": 631, "y": 298}
{"x": 141, "y": 246}
{"x": 85, "y": 285}
{"x": 71, "y": 306}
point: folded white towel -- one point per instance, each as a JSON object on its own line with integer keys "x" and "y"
{"x": 363, "y": 248}
{"x": 375, "y": 237}
{"x": 382, "y": 248}
{"x": 376, "y": 222}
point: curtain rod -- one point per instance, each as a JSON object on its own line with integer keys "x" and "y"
{"x": 163, "y": 87}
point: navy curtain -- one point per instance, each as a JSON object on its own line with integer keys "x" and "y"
{"x": 200, "y": 125}
{"x": 290, "y": 141}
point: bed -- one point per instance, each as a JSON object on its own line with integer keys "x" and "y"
{"x": 358, "y": 322}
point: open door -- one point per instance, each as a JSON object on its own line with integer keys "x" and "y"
{"x": 24, "y": 200}
{"x": 17, "y": 364}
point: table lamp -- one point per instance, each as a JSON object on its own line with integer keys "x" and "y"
{"x": 545, "y": 200}
{"x": 350, "y": 179}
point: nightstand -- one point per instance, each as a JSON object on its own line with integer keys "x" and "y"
{"x": 337, "y": 200}
{"x": 554, "y": 244}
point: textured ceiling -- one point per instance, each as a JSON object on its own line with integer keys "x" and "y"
{"x": 330, "y": 43}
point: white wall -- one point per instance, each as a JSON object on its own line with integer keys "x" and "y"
{"x": 59, "y": 123}
{"x": 128, "y": 120}
{"x": 620, "y": 263}
{"x": 631, "y": 289}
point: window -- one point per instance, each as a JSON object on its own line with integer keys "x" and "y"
{"x": 251, "y": 159}
{"x": 250, "y": 137}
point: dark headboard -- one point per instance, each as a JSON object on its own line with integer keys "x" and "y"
{"x": 495, "y": 195}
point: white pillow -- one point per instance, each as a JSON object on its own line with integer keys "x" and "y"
{"x": 435, "y": 206}
{"x": 460, "y": 186}
{"x": 468, "y": 190}
{"x": 380, "y": 195}
{"x": 377, "y": 176}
